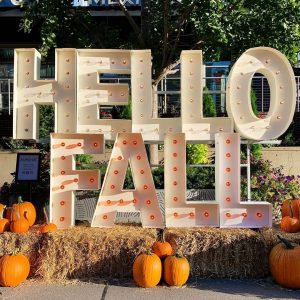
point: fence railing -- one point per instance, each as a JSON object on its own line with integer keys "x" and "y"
{"x": 169, "y": 94}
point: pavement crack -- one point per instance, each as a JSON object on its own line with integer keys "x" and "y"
{"x": 104, "y": 292}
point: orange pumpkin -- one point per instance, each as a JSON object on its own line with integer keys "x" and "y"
{"x": 147, "y": 270}
{"x": 47, "y": 227}
{"x": 176, "y": 270}
{"x": 4, "y": 223}
{"x": 50, "y": 227}
{"x": 285, "y": 209}
{"x": 284, "y": 261}
{"x": 18, "y": 224}
{"x": 162, "y": 248}
{"x": 25, "y": 209}
{"x": 290, "y": 223}
{"x": 14, "y": 269}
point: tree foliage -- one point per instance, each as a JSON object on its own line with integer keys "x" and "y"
{"x": 62, "y": 25}
{"x": 218, "y": 27}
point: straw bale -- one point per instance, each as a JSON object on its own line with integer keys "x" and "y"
{"x": 28, "y": 244}
{"x": 271, "y": 239}
{"x": 88, "y": 252}
{"x": 84, "y": 252}
{"x": 220, "y": 252}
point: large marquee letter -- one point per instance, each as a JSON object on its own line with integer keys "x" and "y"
{"x": 91, "y": 93}
{"x": 233, "y": 212}
{"x": 194, "y": 125}
{"x": 275, "y": 66}
{"x": 180, "y": 213}
{"x": 65, "y": 179}
{"x": 143, "y": 114}
{"x": 30, "y": 91}
{"x": 128, "y": 148}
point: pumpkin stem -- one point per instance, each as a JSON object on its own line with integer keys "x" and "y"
{"x": 2, "y": 212}
{"x": 291, "y": 209}
{"x": 287, "y": 244}
{"x": 20, "y": 199}
{"x": 149, "y": 252}
{"x": 161, "y": 235}
{"x": 17, "y": 214}
{"x": 15, "y": 251}
{"x": 45, "y": 215}
{"x": 178, "y": 255}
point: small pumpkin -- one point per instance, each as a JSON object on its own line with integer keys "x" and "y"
{"x": 285, "y": 209}
{"x": 176, "y": 270}
{"x": 4, "y": 223}
{"x": 284, "y": 261}
{"x": 162, "y": 248}
{"x": 24, "y": 208}
{"x": 47, "y": 227}
{"x": 147, "y": 270}
{"x": 290, "y": 223}
{"x": 14, "y": 269}
{"x": 19, "y": 224}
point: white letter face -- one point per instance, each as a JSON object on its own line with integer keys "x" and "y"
{"x": 65, "y": 179}
{"x": 30, "y": 91}
{"x": 128, "y": 148}
{"x": 195, "y": 127}
{"x": 233, "y": 212}
{"x": 180, "y": 213}
{"x": 143, "y": 116}
{"x": 279, "y": 73}
{"x": 91, "y": 93}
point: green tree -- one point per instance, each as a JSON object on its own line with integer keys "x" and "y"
{"x": 168, "y": 26}
{"x": 62, "y": 25}
{"x": 216, "y": 27}
{"x": 209, "y": 109}
{"x": 46, "y": 120}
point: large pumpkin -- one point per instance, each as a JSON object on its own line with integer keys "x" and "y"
{"x": 176, "y": 270}
{"x": 147, "y": 270}
{"x": 284, "y": 261}
{"x": 14, "y": 269}
{"x": 25, "y": 209}
{"x": 285, "y": 209}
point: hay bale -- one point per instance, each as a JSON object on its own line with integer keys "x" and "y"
{"x": 271, "y": 239}
{"x": 83, "y": 252}
{"x": 28, "y": 244}
{"x": 220, "y": 252}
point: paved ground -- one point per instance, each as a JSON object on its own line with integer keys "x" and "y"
{"x": 196, "y": 289}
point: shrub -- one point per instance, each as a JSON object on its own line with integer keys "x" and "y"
{"x": 270, "y": 184}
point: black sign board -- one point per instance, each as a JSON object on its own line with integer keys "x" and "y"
{"x": 28, "y": 167}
